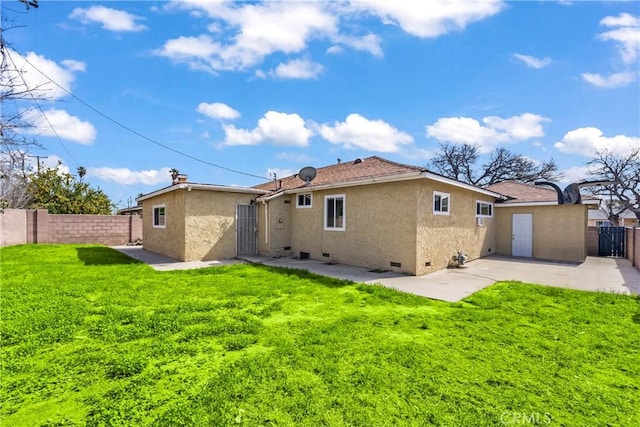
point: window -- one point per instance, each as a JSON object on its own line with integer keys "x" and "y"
{"x": 441, "y": 203}
{"x": 334, "y": 217}
{"x": 603, "y": 223}
{"x": 159, "y": 216}
{"x": 304, "y": 200}
{"x": 484, "y": 209}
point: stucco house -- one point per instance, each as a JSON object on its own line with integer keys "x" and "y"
{"x": 368, "y": 212}
{"x": 597, "y": 218}
{"x": 532, "y": 224}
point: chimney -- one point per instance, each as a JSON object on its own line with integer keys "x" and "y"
{"x": 180, "y": 179}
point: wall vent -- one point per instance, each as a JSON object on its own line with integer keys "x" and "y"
{"x": 395, "y": 264}
{"x": 287, "y": 202}
{"x": 286, "y": 248}
{"x": 427, "y": 264}
{"x": 326, "y": 255}
{"x": 305, "y": 255}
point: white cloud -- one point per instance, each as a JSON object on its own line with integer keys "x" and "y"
{"x": 360, "y": 132}
{"x": 247, "y": 32}
{"x": 294, "y": 157}
{"x": 369, "y": 43}
{"x": 262, "y": 29}
{"x": 279, "y": 128}
{"x": 532, "y": 61}
{"x": 429, "y": 19}
{"x": 127, "y": 176}
{"x": 218, "y": 110}
{"x": 496, "y": 130}
{"x": 73, "y": 65}
{"x": 622, "y": 20}
{"x": 26, "y": 73}
{"x": 612, "y": 80}
{"x": 298, "y": 69}
{"x": 110, "y": 19}
{"x": 626, "y": 33}
{"x": 280, "y": 173}
{"x": 586, "y": 141}
{"x": 66, "y": 126}
{"x": 574, "y": 174}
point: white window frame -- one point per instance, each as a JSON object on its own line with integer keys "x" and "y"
{"x": 153, "y": 216}
{"x": 442, "y": 196}
{"x": 326, "y": 212}
{"x": 479, "y": 204}
{"x": 299, "y": 206}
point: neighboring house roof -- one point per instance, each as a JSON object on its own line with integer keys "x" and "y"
{"x": 359, "y": 172}
{"x": 132, "y": 210}
{"x": 520, "y": 193}
{"x": 205, "y": 187}
{"x": 599, "y": 215}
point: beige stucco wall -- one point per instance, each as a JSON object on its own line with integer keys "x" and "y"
{"x": 380, "y": 224}
{"x": 274, "y": 226}
{"x": 559, "y": 232}
{"x": 167, "y": 241}
{"x": 440, "y": 237}
{"x": 385, "y": 223}
{"x": 210, "y": 224}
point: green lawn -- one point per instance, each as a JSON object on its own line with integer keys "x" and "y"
{"x": 90, "y": 337}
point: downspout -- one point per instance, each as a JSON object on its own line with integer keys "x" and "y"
{"x": 266, "y": 223}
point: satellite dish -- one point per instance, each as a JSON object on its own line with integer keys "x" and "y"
{"x": 307, "y": 174}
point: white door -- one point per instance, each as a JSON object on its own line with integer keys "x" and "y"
{"x": 522, "y": 229}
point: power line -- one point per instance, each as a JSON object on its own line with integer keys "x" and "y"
{"x": 35, "y": 101}
{"x": 133, "y": 131}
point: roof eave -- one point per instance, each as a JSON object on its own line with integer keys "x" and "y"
{"x": 205, "y": 187}
{"x": 530, "y": 203}
{"x": 459, "y": 184}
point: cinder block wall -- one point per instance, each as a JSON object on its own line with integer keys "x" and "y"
{"x": 104, "y": 229}
{"x": 38, "y": 226}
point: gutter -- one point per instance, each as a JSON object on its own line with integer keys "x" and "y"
{"x": 207, "y": 187}
{"x": 526, "y": 204}
{"x": 439, "y": 178}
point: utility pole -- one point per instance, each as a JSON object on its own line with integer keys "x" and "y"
{"x": 39, "y": 157}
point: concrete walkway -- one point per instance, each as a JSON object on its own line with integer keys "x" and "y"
{"x": 163, "y": 263}
{"x": 595, "y": 274}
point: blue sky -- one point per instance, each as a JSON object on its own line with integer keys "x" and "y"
{"x": 272, "y": 87}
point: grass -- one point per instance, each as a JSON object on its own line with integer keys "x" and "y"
{"x": 90, "y": 337}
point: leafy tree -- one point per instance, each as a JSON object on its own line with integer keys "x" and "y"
{"x": 81, "y": 172}
{"x": 459, "y": 161}
{"x": 625, "y": 170}
{"x": 61, "y": 193}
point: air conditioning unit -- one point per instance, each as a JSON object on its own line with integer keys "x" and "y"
{"x": 479, "y": 221}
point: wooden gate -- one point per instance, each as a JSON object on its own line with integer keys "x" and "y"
{"x": 611, "y": 241}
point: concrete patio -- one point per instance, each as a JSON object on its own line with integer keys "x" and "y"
{"x": 595, "y": 274}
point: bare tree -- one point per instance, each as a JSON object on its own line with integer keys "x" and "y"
{"x": 15, "y": 142}
{"x": 625, "y": 170}
{"x": 458, "y": 161}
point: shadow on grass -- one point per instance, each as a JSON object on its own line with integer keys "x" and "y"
{"x": 304, "y": 274}
{"x": 103, "y": 256}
